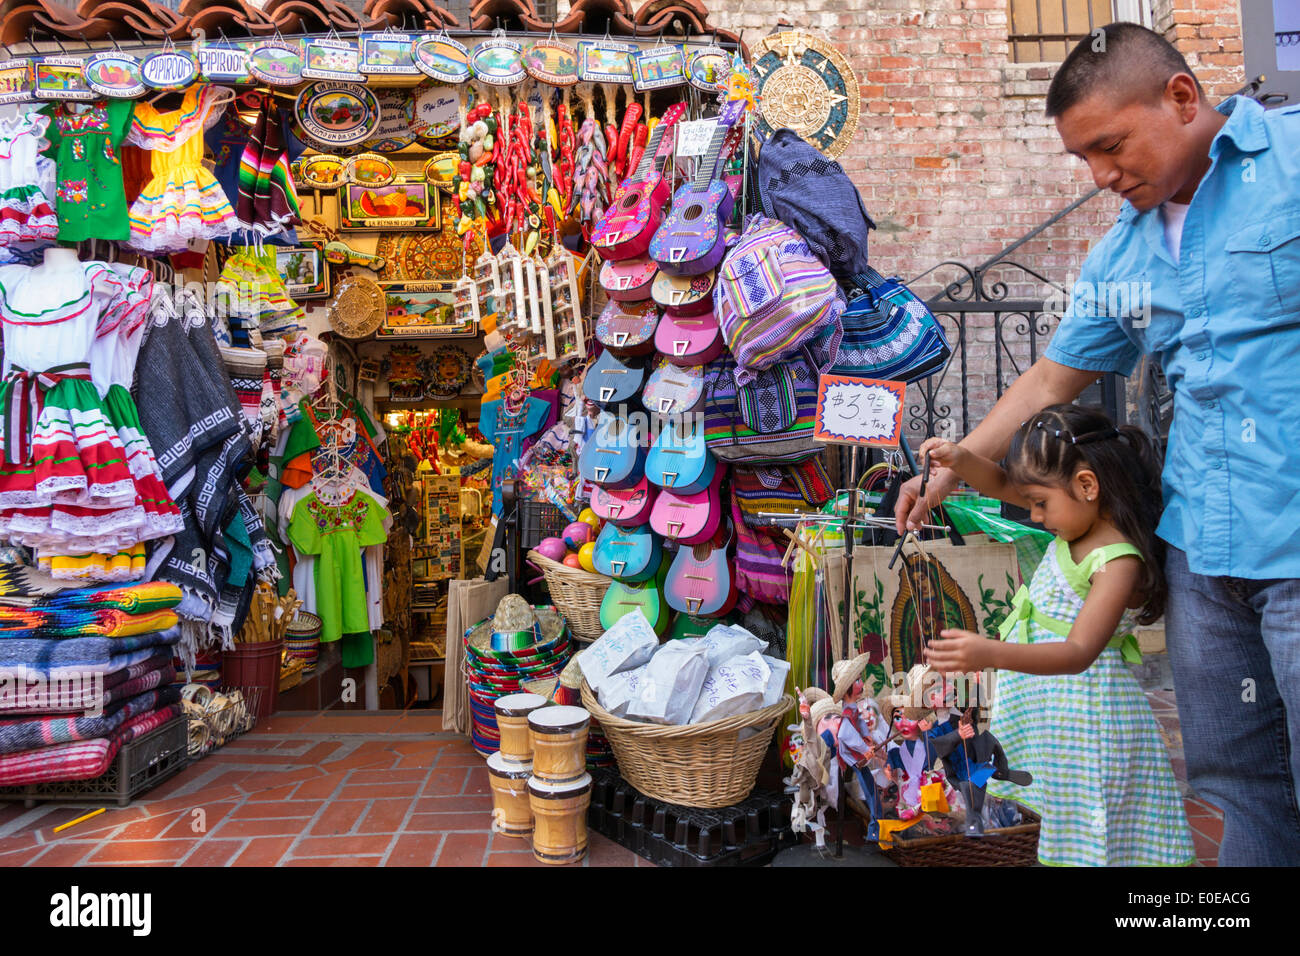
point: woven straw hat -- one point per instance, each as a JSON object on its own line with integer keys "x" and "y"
{"x": 844, "y": 673}
{"x": 357, "y": 309}
{"x": 823, "y": 708}
{"x": 814, "y": 694}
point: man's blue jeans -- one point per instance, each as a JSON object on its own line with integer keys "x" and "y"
{"x": 1235, "y": 649}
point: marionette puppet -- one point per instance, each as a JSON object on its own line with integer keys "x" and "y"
{"x": 972, "y": 758}
{"x": 863, "y": 716}
{"x": 811, "y": 774}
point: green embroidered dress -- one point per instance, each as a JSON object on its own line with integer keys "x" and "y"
{"x": 1102, "y": 780}
{"x": 85, "y": 139}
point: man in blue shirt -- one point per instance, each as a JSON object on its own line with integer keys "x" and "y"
{"x": 1201, "y": 271}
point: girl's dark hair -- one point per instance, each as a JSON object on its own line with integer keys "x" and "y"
{"x": 1053, "y": 445}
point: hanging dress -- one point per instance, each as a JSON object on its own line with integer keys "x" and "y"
{"x": 84, "y": 140}
{"x": 26, "y": 180}
{"x": 1102, "y": 780}
{"x": 183, "y": 200}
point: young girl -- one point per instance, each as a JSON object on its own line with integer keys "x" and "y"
{"x": 1067, "y": 708}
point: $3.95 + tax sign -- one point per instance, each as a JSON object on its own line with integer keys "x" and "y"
{"x": 859, "y": 411}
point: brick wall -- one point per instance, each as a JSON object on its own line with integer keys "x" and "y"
{"x": 954, "y": 156}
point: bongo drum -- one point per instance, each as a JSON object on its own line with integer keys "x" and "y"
{"x": 559, "y": 738}
{"x": 512, "y": 721}
{"x": 511, "y": 814}
{"x": 560, "y": 819}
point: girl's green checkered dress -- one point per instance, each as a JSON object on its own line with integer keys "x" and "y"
{"x": 1102, "y": 780}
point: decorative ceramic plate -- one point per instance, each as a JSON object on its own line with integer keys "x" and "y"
{"x": 114, "y": 74}
{"x": 497, "y": 62}
{"x": 169, "y": 70}
{"x": 604, "y": 61}
{"x": 279, "y": 64}
{"x": 437, "y": 112}
{"x": 396, "y": 114}
{"x": 442, "y": 58}
{"x": 806, "y": 84}
{"x": 552, "y": 62}
{"x": 320, "y": 172}
{"x": 369, "y": 169}
{"x": 338, "y": 60}
{"x": 337, "y": 114}
{"x": 707, "y": 69}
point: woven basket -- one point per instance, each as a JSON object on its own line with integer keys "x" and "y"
{"x": 1008, "y": 846}
{"x": 357, "y": 309}
{"x": 691, "y": 765}
{"x": 576, "y": 593}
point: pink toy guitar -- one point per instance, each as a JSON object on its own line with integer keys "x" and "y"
{"x": 629, "y": 280}
{"x": 690, "y": 240}
{"x": 700, "y": 582}
{"x": 689, "y": 340}
{"x": 625, "y": 507}
{"x": 628, "y": 328}
{"x": 685, "y": 295}
{"x": 673, "y": 390}
{"x": 689, "y": 519}
{"x": 638, "y": 204}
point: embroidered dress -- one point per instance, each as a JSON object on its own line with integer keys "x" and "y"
{"x": 1102, "y": 780}
{"x": 336, "y": 534}
{"x": 183, "y": 200}
{"x": 26, "y": 180}
{"x": 507, "y": 432}
{"x": 84, "y": 140}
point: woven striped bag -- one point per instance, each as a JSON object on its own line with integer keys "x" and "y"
{"x": 772, "y": 296}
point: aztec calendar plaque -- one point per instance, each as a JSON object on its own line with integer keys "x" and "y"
{"x": 438, "y": 256}
{"x": 806, "y": 84}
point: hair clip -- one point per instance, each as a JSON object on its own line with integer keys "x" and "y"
{"x": 1084, "y": 439}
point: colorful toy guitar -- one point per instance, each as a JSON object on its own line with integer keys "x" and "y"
{"x": 689, "y": 519}
{"x": 628, "y": 328}
{"x": 685, "y": 295}
{"x": 610, "y": 380}
{"x": 693, "y": 340}
{"x": 690, "y": 240}
{"x": 614, "y": 457}
{"x": 625, "y": 507}
{"x": 673, "y": 390}
{"x": 700, "y": 581}
{"x": 629, "y": 280}
{"x": 632, "y": 555}
{"x": 646, "y": 597}
{"x": 637, "y": 207}
{"x": 679, "y": 460}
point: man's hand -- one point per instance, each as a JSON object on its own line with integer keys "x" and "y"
{"x": 965, "y": 730}
{"x": 909, "y": 513}
{"x": 959, "y": 652}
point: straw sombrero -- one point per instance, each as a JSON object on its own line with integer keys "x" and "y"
{"x": 823, "y": 708}
{"x": 845, "y": 672}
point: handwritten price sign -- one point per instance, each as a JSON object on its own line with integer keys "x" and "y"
{"x": 859, "y": 411}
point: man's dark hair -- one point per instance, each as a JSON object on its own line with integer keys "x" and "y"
{"x": 1122, "y": 57}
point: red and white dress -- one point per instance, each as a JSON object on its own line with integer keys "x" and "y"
{"x": 26, "y": 180}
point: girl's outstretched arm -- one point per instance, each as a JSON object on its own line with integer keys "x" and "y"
{"x": 1112, "y": 587}
{"x": 985, "y": 476}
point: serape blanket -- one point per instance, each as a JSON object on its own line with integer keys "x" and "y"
{"x": 29, "y": 733}
{"x": 81, "y": 760}
{"x": 25, "y": 691}
{"x": 76, "y": 622}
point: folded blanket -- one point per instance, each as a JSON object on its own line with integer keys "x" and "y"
{"x": 88, "y": 692}
{"x": 31, "y": 732}
{"x": 49, "y": 655}
{"x": 81, "y": 760}
{"x": 23, "y": 586}
{"x": 75, "y": 622}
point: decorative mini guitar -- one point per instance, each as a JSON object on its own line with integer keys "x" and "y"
{"x": 700, "y": 581}
{"x": 614, "y": 456}
{"x": 689, "y": 519}
{"x": 674, "y": 390}
{"x": 632, "y": 555}
{"x": 625, "y": 507}
{"x": 693, "y": 340}
{"x": 690, "y": 240}
{"x": 685, "y": 295}
{"x": 637, "y": 207}
{"x": 628, "y": 328}
{"x": 679, "y": 459}
{"x": 629, "y": 280}
{"x": 647, "y": 597}
{"x": 610, "y": 380}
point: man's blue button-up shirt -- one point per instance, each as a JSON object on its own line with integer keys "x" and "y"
{"x": 1224, "y": 323}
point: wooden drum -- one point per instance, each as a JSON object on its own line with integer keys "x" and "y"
{"x": 559, "y": 737}
{"x": 512, "y": 721}
{"x": 560, "y": 815}
{"x": 511, "y": 814}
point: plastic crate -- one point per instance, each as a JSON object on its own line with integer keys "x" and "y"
{"x": 538, "y": 520}
{"x": 140, "y": 765}
{"x": 750, "y": 833}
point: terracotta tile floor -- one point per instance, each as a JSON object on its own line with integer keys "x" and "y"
{"x": 342, "y": 789}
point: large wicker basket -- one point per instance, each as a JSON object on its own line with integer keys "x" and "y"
{"x": 576, "y": 593}
{"x": 692, "y": 765}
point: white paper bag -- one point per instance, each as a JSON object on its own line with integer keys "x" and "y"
{"x": 725, "y": 641}
{"x": 775, "y": 683}
{"x": 619, "y": 690}
{"x": 737, "y": 686}
{"x": 626, "y": 645}
{"x": 671, "y": 684}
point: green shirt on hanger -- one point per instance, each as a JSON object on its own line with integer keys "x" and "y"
{"x": 85, "y": 139}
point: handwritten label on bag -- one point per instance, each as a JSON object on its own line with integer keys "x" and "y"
{"x": 859, "y": 411}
